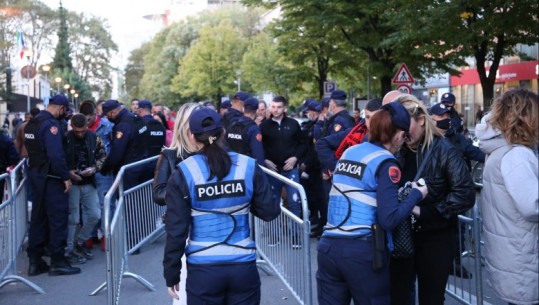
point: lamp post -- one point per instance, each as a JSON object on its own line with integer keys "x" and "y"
{"x": 46, "y": 69}
{"x": 28, "y": 54}
{"x": 57, "y": 80}
{"x": 66, "y": 87}
{"x": 238, "y": 73}
{"x": 72, "y": 91}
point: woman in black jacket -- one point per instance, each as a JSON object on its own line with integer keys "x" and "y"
{"x": 180, "y": 149}
{"x": 451, "y": 192}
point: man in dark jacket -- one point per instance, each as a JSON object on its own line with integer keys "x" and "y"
{"x": 284, "y": 145}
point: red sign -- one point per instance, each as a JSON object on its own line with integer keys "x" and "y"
{"x": 404, "y": 89}
{"x": 403, "y": 76}
{"x": 506, "y": 73}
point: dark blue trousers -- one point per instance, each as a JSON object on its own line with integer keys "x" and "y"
{"x": 345, "y": 273}
{"x": 236, "y": 284}
{"x": 48, "y": 222}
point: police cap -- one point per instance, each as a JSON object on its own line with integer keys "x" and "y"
{"x": 251, "y": 104}
{"x": 400, "y": 117}
{"x": 439, "y": 109}
{"x": 109, "y": 105}
{"x": 145, "y": 104}
{"x": 60, "y": 100}
{"x": 199, "y": 115}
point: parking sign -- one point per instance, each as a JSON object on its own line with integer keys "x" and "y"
{"x": 329, "y": 87}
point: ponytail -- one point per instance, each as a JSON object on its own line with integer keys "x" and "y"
{"x": 219, "y": 161}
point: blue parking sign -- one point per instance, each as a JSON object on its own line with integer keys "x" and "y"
{"x": 329, "y": 87}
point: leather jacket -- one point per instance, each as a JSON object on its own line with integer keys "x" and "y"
{"x": 166, "y": 164}
{"x": 450, "y": 185}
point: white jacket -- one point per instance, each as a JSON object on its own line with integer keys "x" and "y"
{"x": 510, "y": 212}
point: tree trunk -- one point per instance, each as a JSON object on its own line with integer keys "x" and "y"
{"x": 385, "y": 85}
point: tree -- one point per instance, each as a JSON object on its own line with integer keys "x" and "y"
{"x": 134, "y": 71}
{"x": 62, "y": 57}
{"x": 455, "y": 30}
{"x": 92, "y": 48}
{"x": 208, "y": 69}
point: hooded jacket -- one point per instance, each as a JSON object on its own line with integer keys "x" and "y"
{"x": 510, "y": 214}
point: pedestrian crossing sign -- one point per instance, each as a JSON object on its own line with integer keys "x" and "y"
{"x": 403, "y": 76}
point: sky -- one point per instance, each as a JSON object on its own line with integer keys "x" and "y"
{"x": 125, "y": 19}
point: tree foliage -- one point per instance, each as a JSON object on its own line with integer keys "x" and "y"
{"x": 208, "y": 69}
{"x": 62, "y": 56}
{"x": 455, "y": 30}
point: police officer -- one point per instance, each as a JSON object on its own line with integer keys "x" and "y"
{"x": 236, "y": 109}
{"x": 156, "y": 129}
{"x": 243, "y": 134}
{"x": 50, "y": 181}
{"x": 208, "y": 202}
{"x": 129, "y": 139}
{"x": 363, "y": 197}
{"x": 448, "y": 99}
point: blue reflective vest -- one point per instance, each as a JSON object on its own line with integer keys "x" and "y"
{"x": 220, "y": 230}
{"x": 352, "y": 199}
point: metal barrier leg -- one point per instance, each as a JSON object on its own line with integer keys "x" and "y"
{"x": 99, "y": 289}
{"x": 15, "y": 278}
{"x": 140, "y": 279}
{"x": 263, "y": 265}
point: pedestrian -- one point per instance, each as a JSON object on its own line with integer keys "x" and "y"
{"x": 243, "y": 135}
{"x": 509, "y": 136}
{"x": 261, "y": 112}
{"x": 8, "y": 158}
{"x": 284, "y": 145}
{"x": 85, "y": 155}
{"x": 223, "y": 108}
{"x": 19, "y": 137}
{"x": 180, "y": 149}
{"x": 133, "y": 106}
{"x": 208, "y": 202}
{"x": 103, "y": 129}
{"x": 129, "y": 140}
{"x": 364, "y": 195}
{"x": 451, "y": 192}
{"x": 448, "y": 99}
{"x": 51, "y": 183}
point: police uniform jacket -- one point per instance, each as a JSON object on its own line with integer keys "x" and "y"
{"x": 230, "y": 116}
{"x": 311, "y": 161}
{"x": 282, "y": 141}
{"x": 8, "y": 153}
{"x": 44, "y": 140}
{"x": 465, "y": 148}
{"x": 129, "y": 141}
{"x": 339, "y": 121}
{"x": 193, "y": 202}
{"x": 157, "y": 135}
{"x": 364, "y": 192}
{"x": 244, "y": 136}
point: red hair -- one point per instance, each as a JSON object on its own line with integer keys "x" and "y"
{"x": 381, "y": 128}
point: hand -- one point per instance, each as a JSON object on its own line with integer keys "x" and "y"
{"x": 423, "y": 189}
{"x": 290, "y": 163}
{"x": 67, "y": 184}
{"x": 172, "y": 291}
{"x": 270, "y": 165}
{"x": 74, "y": 175}
{"x": 416, "y": 211}
{"x": 88, "y": 172}
{"x": 302, "y": 167}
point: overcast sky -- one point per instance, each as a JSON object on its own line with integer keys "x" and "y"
{"x": 125, "y": 19}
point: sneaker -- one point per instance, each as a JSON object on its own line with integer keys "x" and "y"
{"x": 82, "y": 251}
{"x": 75, "y": 259}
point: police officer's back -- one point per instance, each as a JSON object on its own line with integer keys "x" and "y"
{"x": 129, "y": 140}
{"x": 156, "y": 129}
{"x": 340, "y": 119}
{"x": 50, "y": 180}
{"x": 243, "y": 134}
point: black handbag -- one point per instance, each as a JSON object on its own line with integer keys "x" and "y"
{"x": 403, "y": 233}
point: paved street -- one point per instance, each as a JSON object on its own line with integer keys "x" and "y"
{"x": 75, "y": 289}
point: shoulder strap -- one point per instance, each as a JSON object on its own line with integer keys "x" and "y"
{"x": 420, "y": 169}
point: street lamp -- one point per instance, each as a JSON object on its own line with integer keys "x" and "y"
{"x": 46, "y": 69}
{"x": 238, "y": 73}
{"x": 66, "y": 87}
{"x": 57, "y": 80}
{"x": 72, "y": 91}
{"x": 28, "y": 54}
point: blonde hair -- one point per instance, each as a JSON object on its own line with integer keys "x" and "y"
{"x": 180, "y": 136}
{"x": 417, "y": 109}
{"x": 515, "y": 114}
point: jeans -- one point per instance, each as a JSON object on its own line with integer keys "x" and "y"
{"x": 85, "y": 197}
{"x": 103, "y": 184}
{"x": 294, "y": 202}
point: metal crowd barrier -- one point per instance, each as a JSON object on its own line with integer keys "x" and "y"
{"x": 468, "y": 291}
{"x": 136, "y": 222}
{"x": 13, "y": 225}
{"x": 284, "y": 247}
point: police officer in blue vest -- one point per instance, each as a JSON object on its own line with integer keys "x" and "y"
{"x": 208, "y": 201}
{"x": 50, "y": 181}
{"x": 243, "y": 135}
{"x": 129, "y": 140}
{"x": 363, "y": 204}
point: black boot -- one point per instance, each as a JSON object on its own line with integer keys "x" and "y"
{"x": 37, "y": 266}
{"x": 60, "y": 266}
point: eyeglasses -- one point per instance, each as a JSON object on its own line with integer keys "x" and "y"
{"x": 413, "y": 110}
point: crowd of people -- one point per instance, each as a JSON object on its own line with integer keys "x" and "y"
{"x": 402, "y": 165}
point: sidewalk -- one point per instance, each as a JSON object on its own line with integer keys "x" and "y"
{"x": 75, "y": 289}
